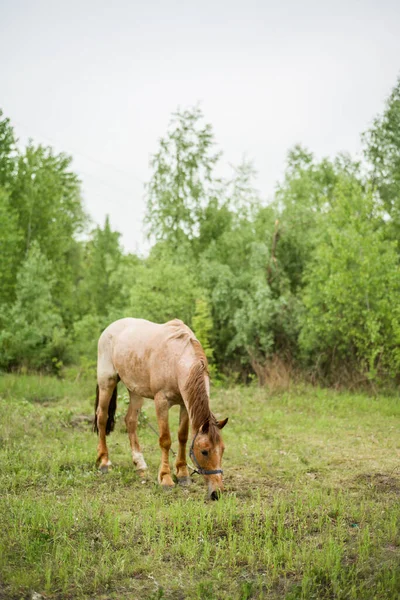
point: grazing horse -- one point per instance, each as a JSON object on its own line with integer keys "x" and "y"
{"x": 167, "y": 363}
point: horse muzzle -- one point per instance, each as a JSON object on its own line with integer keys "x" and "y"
{"x": 215, "y": 495}
{"x": 215, "y": 487}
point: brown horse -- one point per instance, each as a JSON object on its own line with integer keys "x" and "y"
{"x": 165, "y": 362}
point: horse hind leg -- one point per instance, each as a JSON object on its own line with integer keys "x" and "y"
{"x": 106, "y": 403}
{"x": 131, "y": 421}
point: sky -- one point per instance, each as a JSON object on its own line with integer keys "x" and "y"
{"x": 99, "y": 80}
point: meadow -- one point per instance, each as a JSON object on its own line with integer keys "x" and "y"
{"x": 310, "y": 511}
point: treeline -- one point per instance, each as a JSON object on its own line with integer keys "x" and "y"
{"x": 309, "y": 282}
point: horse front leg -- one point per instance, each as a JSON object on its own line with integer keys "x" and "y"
{"x": 162, "y": 407}
{"x": 182, "y": 472}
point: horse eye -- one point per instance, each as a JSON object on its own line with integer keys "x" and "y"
{"x": 204, "y": 452}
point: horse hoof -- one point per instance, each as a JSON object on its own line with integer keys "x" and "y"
{"x": 167, "y": 483}
{"x": 142, "y": 473}
{"x": 184, "y": 481}
{"x": 167, "y": 488}
{"x": 138, "y": 461}
{"x": 105, "y": 468}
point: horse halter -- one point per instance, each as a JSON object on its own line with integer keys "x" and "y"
{"x": 199, "y": 469}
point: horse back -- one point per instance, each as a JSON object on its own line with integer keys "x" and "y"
{"x": 144, "y": 355}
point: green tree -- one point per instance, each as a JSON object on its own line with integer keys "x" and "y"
{"x": 202, "y": 325}
{"x": 100, "y": 288}
{"x": 162, "y": 289}
{"x": 352, "y": 314}
{"x": 305, "y": 195}
{"x": 84, "y": 338}
{"x": 182, "y": 182}
{"x": 243, "y": 197}
{"x": 10, "y": 248}
{"x": 7, "y": 152}
{"x": 382, "y": 150}
{"x": 32, "y": 332}
{"x": 265, "y": 321}
{"x": 236, "y": 202}
{"x": 10, "y": 234}
{"x": 46, "y": 197}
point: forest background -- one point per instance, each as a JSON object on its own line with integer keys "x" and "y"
{"x": 307, "y": 285}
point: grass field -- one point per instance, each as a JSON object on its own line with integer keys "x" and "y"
{"x": 311, "y": 508}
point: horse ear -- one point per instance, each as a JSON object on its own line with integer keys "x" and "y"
{"x": 221, "y": 424}
{"x": 205, "y": 427}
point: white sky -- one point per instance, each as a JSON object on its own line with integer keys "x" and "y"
{"x": 99, "y": 80}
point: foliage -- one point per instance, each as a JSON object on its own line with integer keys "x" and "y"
{"x": 100, "y": 288}
{"x": 304, "y": 201}
{"x": 180, "y": 186}
{"x": 46, "y": 196}
{"x": 10, "y": 248}
{"x": 32, "y": 327}
{"x": 85, "y": 335}
{"x": 162, "y": 290}
{"x": 7, "y": 152}
{"x": 382, "y": 149}
{"x": 309, "y": 281}
{"x": 202, "y": 326}
{"x": 353, "y": 285}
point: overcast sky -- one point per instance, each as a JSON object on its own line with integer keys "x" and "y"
{"x": 99, "y": 80}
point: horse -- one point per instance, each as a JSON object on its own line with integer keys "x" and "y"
{"x": 167, "y": 363}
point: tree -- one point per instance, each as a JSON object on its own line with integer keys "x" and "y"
{"x": 10, "y": 234}
{"x": 84, "y": 337}
{"x": 32, "y": 329}
{"x": 46, "y": 197}
{"x": 181, "y": 185}
{"x": 162, "y": 289}
{"x": 352, "y": 314}
{"x": 303, "y": 200}
{"x": 243, "y": 197}
{"x": 382, "y": 150}
{"x": 100, "y": 286}
{"x": 202, "y": 326}
{"x": 266, "y": 319}
{"x": 7, "y": 152}
{"x": 10, "y": 248}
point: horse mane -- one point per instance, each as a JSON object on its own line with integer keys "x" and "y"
{"x": 197, "y": 395}
{"x": 195, "y": 387}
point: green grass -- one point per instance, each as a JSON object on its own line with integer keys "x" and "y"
{"x": 311, "y": 508}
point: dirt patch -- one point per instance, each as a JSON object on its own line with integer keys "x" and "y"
{"x": 392, "y": 548}
{"x": 6, "y": 594}
{"x": 44, "y": 400}
{"x": 381, "y": 482}
{"x": 245, "y": 487}
{"x": 83, "y": 421}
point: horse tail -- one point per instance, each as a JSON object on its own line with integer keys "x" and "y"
{"x": 112, "y": 407}
{"x": 95, "y": 427}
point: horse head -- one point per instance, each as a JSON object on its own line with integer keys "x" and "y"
{"x": 206, "y": 453}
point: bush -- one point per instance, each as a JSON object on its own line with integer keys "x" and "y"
{"x": 352, "y": 295}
